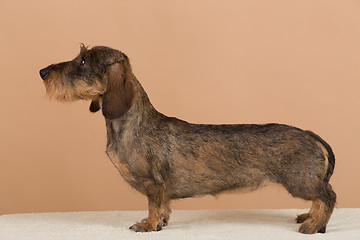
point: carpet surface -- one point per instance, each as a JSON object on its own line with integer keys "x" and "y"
{"x": 209, "y": 224}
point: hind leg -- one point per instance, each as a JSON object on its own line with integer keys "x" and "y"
{"x": 321, "y": 211}
{"x": 303, "y": 217}
{"x": 323, "y": 198}
{"x": 314, "y": 223}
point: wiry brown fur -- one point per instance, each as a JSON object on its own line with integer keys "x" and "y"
{"x": 166, "y": 158}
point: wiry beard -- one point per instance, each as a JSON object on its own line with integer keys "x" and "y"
{"x": 65, "y": 91}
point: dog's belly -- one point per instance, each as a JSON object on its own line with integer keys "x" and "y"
{"x": 175, "y": 191}
{"x": 202, "y": 179}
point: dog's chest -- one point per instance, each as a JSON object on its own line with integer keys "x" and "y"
{"x": 119, "y": 164}
{"x": 123, "y": 151}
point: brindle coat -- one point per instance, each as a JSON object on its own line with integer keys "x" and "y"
{"x": 166, "y": 158}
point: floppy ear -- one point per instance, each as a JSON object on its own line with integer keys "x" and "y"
{"x": 120, "y": 91}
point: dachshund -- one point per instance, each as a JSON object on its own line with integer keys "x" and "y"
{"x": 166, "y": 158}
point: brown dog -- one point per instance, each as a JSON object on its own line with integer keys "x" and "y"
{"x": 166, "y": 158}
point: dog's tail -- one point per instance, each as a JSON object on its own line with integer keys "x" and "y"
{"x": 331, "y": 156}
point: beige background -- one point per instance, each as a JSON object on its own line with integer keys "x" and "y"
{"x": 294, "y": 62}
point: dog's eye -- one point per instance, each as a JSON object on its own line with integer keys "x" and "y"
{"x": 82, "y": 61}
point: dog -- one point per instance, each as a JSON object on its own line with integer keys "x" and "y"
{"x": 166, "y": 158}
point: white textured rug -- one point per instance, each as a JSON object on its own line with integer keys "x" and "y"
{"x": 210, "y": 224}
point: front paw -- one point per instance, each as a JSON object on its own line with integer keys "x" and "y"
{"x": 146, "y": 226}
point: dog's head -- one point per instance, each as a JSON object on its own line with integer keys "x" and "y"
{"x": 99, "y": 74}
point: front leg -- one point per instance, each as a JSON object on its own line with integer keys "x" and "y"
{"x": 155, "y": 220}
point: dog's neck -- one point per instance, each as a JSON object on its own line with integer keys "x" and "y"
{"x": 139, "y": 115}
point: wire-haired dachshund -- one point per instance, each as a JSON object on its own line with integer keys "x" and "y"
{"x": 166, "y": 158}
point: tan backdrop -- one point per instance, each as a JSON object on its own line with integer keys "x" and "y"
{"x": 294, "y": 62}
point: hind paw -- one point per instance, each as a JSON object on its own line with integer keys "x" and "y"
{"x": 309, "y": 226}
{"x": 302, "y": 217}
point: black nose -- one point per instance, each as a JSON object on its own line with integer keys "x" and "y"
{"x": 44, "y": 73}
